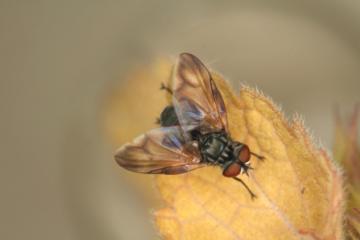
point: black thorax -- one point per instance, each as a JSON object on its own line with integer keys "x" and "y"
{"x": 215, "y": 147}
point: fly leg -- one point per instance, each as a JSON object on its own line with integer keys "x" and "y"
{"x": 245, "y": 168}
{"x": 252, "y": 195}
{"x": 166, "y": 87}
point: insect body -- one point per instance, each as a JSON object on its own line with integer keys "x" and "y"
{"x": 194, "y": 130}
{"x": 218, "y": 149}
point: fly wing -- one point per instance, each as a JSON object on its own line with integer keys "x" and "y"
{"x": 159, "y": 151}
{"x": 197, "y": 100}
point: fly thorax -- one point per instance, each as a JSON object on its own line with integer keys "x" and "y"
{"x": 212, "y": 146}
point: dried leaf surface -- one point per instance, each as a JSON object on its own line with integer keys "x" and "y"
{"x": 347, "y": 152}
{"x": 298, "y": 188}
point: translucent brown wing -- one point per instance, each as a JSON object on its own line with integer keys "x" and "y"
{"x": 159, "y": 151}
{"x": 197, "y": 100}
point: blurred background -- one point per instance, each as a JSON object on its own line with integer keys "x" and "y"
{"x": 59, "y": 60}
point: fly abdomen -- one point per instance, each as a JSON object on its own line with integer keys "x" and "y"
{"x": 168, "y": 117}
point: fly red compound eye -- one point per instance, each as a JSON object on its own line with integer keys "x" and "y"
{"x": 244, "y": 154}
{"x": 232, "y": 170}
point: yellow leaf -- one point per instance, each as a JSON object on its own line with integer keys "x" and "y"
{"x": 299, "y": 189}
{"x": 347, "y": 152}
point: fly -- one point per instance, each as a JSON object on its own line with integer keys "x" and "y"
{"x": 193, "y": 133}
